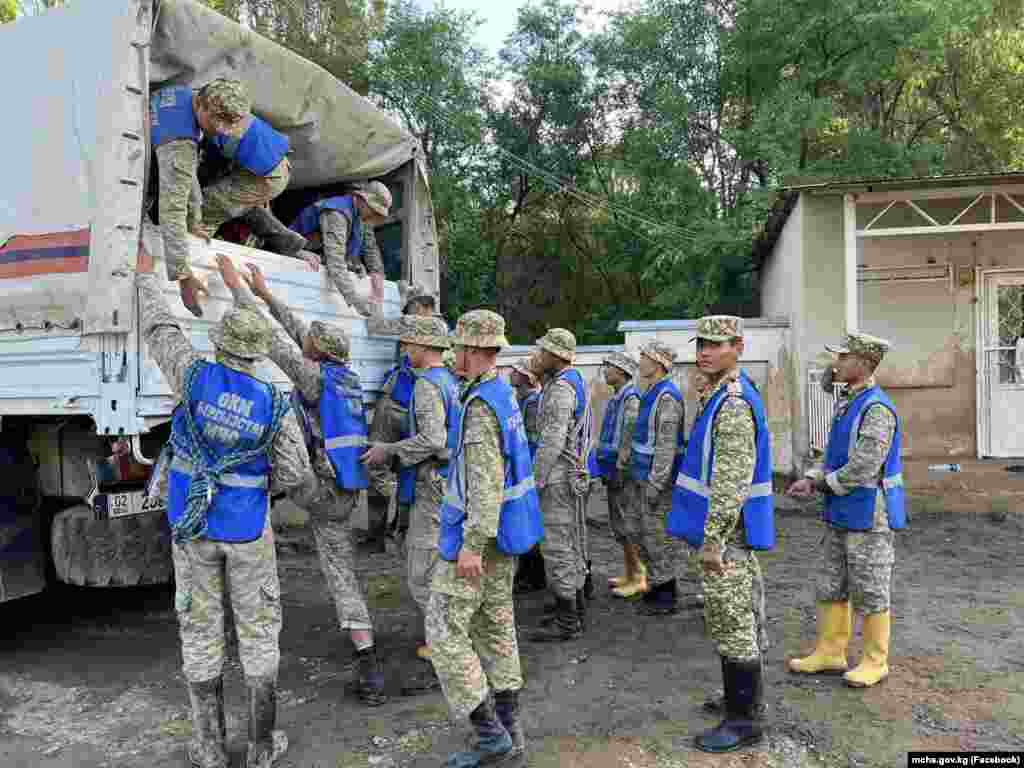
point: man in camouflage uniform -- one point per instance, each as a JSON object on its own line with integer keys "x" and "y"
{"x": 530, "y": 576}
{"x": 862, "y": 481}
{"x": 723, "y": 453}
{"x": 652, "y": 494}
{"x": 207, "y": 572}
{"x": 620, "y": 371}
{"x": 559, "y": 470}
{"x": 388, "y": 415}
{"x": 330, "y": 508}
{"x": 425, "y": 449}
{"x": 330, "y": 224}
{"x": 471, "y": 618}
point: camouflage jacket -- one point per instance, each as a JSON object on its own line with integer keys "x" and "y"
{"x": 557, "y": 441}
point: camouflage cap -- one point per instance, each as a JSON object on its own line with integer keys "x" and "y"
{"x": 864, "y": 345}
{"x": 661, "y": 353}
{"x": 623, "y": 362}
{"x": 330, "y": 340}
{"x": 719, "y": 328}
{"x": 243, "y": 332}
{"x": 448, "y": 358}
{"x": 227, "y": 100}
{"x": 560, "y": 343}
{"x": 480, "y": 328}
{"x": 425, "y": 331}
{"x": 377, "y": 196}
{"x": 523, "y": 367}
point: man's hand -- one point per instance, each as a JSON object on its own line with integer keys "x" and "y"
{"x": 198, "y": 231}
{"x": 191, "y": 288}
{"x": 469, "y": 566}
{"x": 377, "y": 454}
{"x": 232, "y": 278}
{"x": 313, "y": 260}
{"x": 801, "y": 488}
{"x": 711, "y": 558}
{"x": 257, "y": 282}
{"x": 377, "y": 286}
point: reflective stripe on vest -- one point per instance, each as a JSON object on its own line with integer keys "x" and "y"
{"x": 645, "y": 435}
{"x": 691, "y": 496}
{"x": 448, "y": 385}
{"x": 856, "y": 510}
{"x": 171, "y": 116}
{"x": 520, "y": 525}
{"x": 260, "y": 149}
{"x": 308, "y": 222}
{"x": 343, "y": 418}
{"x": 610, "y": 440}
{"x": 231, "y": 410}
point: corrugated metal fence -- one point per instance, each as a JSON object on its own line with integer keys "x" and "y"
{"x": 820, "y": 406}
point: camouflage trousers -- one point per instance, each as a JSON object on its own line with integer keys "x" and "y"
{"x": 563, "y": 545}
{"x": 421, "y": 541}
{"x": 238, "y": 193}
{"x": 204, "y": 572}
{"x": 734, "y": 606}
{"x": 858, "y": 568}
{"x": 180, "y": 202}
{"x": 624, "y": 526}
{"x": 472, "y": 633}
{"x": 660, "y": 552}
{"x": 330, "y": 515}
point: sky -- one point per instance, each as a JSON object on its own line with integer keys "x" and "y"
{"x": 500, "y": 16}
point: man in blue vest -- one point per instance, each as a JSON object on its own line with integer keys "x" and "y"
{"x": 490, "y": 513}
{"x": 530, "y": 576}
{"x": 614, "y": 446}
{"x": 654, "y": 458}
{"x": 862, "y": 479}
{"x": 422, "y": 453}
{"x": 559, "y": 469}
{"x": 722, "y": 506}
{"x": 328, "y": 398}
{"x": 223, "y": 543}
{"x": 343, "y": 227}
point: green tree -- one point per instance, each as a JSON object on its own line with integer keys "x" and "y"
{"x": 8, "y": 10}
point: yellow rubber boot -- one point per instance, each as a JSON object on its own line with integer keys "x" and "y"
{"x": 874, "y": 667}
{"x": 638, "y": 585}
{"x": 835, "y": 624}
{"x": 424, "y": 652}
{"x": 621, "y": 581}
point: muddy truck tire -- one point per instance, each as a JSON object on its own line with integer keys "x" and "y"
{"x": 119, "y": 552}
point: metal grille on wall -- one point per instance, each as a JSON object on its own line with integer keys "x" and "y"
{"x": 820, "y": 406}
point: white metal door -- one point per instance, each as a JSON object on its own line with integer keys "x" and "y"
{"x": 1004, "y": 363}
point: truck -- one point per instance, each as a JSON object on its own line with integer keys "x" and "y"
{"x": 83, "y": 408}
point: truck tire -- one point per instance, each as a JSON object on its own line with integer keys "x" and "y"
{"x": 120, "y": 552}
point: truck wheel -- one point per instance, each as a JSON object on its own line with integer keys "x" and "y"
{"x": 120, "y": 552}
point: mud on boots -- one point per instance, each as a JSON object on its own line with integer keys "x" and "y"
{"x": 208, "y": 747}
{"x": 266, "y": 744}
{"x": 493, "y": 745}
{"x": 369, "y": 685}
{"x": 565, "y": 624}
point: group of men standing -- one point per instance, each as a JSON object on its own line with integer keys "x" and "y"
{"x": 484, "y": 472}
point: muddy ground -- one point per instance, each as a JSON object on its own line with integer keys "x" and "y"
{"x": 90, "y": 678}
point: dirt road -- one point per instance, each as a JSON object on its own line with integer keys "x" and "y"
{"x": 91, "y": 678}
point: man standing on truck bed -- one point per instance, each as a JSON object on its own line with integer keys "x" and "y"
{"x": 221, "y": 109}
{"x": 218, "y": 515}
{"x": 329, "y": 400}
{"x": 343, "y": 226}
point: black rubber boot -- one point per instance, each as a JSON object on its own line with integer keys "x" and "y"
{"x": 377, "y": 522}
{"x": 266, "y": 744}
{"x": 277, "y": 238}
{"x": 530, "y": 576}
{"x": 207, "y": 748}
{"x": 588, "y": 583}
{"x": 370, "y": 685}
{"x": 506, "y": 706}
{"x": 493, "y": 743}
{"x": 565, "y": 626}
{"x": 581, "y": 608}
{"x": 661, "y": 600}
{"x": 744, "y": 696}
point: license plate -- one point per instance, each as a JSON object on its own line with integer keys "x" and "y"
{"x": 110, "y": 505}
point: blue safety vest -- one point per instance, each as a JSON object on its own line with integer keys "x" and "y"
{"x": 531, "y": 399}
{"x": 232, "y": 412}
{"x": 521, "y": 525}
{"x": 171, "y": 116}
{"x": 343, "y": 418}
{"x": 645, "y": 436}
{"x": 611, "y": 430}
{"x": 691, "y": 496}
{"x": 449, "y": 386}
{"x": 259, "y": 150}
{"x": 856, "y": 510}
{"x": 308, "y": 222}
